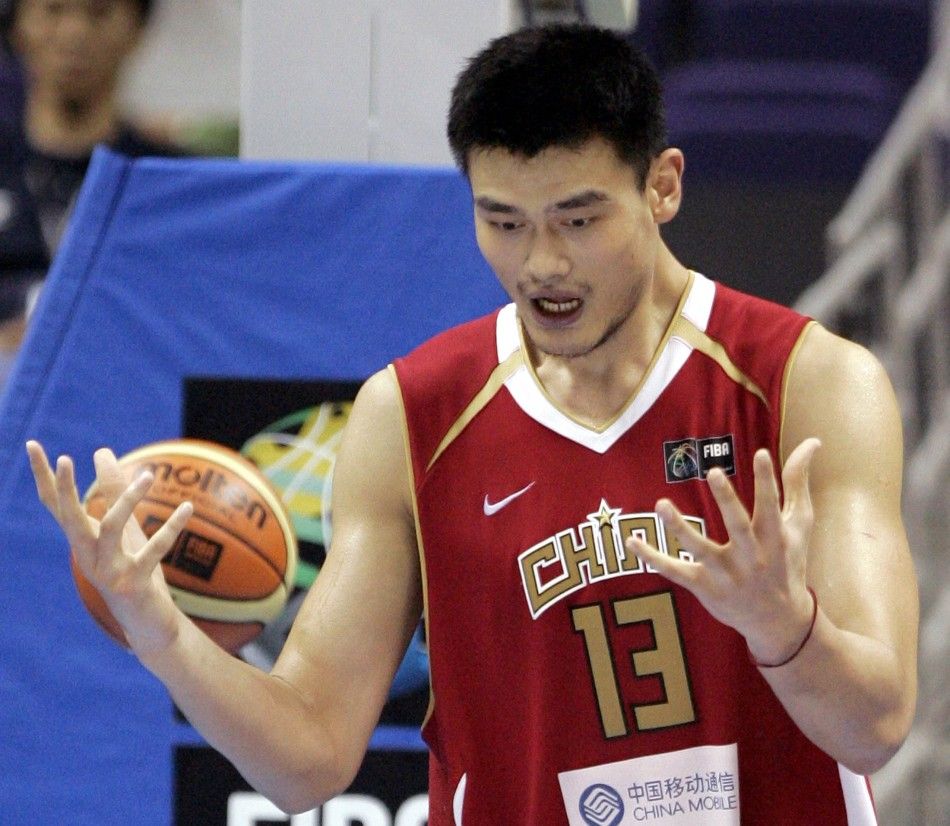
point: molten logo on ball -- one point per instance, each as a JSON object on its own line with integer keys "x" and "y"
{"x": 232, "y": 568}
{"x": 184, "y": 479}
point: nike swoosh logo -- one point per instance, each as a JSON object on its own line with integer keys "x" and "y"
{"x": 492, "y": 508}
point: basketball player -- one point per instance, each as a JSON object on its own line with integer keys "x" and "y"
{"x": 654, "y": 523}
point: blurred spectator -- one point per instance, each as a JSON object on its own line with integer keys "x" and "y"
{"x": 70, "y": 55}
{"x": 24, "y": 255}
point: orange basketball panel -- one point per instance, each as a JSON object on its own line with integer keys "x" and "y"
{"x": 231, "y": 569}
{"x": 219, "y": 495}
{"x": 230, "y": 635}
{"x": 207, "y": 559}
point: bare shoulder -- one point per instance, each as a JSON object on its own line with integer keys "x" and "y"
{"x": 824, "y": 354}
{"x": 379, "y": 399}
{"x": 838, "y": 391}
{"x": 372, "y": 462}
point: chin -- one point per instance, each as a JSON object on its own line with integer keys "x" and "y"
{"x": 572, "y": 345}
{"x": 561, "y": 346}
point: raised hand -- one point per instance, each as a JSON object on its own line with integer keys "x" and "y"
{"x": 113, "y": 553}
{"x": 755, "y": 581}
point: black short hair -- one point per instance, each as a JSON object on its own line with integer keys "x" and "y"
{"x": 8, "y": 9}
{"x": 558, "y": 85}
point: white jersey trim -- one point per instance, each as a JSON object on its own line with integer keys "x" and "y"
{"x": 698, "y": 305}
{"x": 458, "y": 800}
{"x": 857, "y": 798}
{"x": 530, "y": 397}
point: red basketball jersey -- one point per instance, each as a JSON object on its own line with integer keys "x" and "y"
{"x": 569, "y": 684}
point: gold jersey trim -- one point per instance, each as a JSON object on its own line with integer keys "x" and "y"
{"x": 698, "y": 340}
{"x": 657, "y": 353}
{"x": 684, "y": 335}
{"x": 494, "y": 383}
{"x": 418, "y": 527}
{"x": 786, "y": 375}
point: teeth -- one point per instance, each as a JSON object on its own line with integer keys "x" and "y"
{"x": 559, "y": 306}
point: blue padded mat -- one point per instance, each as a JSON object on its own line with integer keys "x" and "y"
{"x": 172, "y": 269}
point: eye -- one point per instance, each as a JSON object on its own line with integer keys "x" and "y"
{"x": 506, "y": 226}
{"x": 579, "y": 223}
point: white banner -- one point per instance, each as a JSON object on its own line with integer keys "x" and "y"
{"x": 692, "y": 787}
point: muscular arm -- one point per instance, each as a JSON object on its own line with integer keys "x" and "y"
{"x": 299, "y": 733}
{"x": 852, "y": 687}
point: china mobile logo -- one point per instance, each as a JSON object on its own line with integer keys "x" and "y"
{"x": 601, "y": 805}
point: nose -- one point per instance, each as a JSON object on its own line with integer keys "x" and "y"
{"x": 546, "y": 257}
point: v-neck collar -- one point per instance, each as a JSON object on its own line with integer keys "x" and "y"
{"x": 694, "y": 307}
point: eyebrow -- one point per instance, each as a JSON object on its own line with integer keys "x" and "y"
{"x": 582, "y": 199}
{"x": 579, "y": 201}
{"x": 491, "y": 205}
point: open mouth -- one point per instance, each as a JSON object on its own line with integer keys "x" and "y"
{"x": 552, "y": 309}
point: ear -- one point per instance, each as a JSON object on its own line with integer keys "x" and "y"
{"x": 665, "y": 184}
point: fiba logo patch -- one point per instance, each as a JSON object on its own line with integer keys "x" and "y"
{"x": 682, "y": 461}
{"x": 601, "y": 805}
{"x": 694, "y": 458}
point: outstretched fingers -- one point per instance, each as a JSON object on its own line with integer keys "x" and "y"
{"x": 799, "y": 514}
{"x": 43, "y": 476}
{"x": 111, "y": 479}
{"x": 79, "y": 527}
{"x": 120, "y": 512}
{"x": 767, "y": 502}
{"x": 795, "y": 475}
{"x": 735, "y": 517}
{"x": 164, "y": 538}
{"x": 673, "y": 569}
{"x": 680, "y": 571}
{"x": 689, "y": 539}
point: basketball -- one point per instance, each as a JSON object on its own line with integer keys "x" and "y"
{"x": 232, "y": 567}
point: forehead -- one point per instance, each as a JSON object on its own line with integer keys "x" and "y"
{"x": 552, "y": 176}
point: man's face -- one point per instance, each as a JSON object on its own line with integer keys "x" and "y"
{"x": 74, "y": 49}
{"x": 572, "y": 238}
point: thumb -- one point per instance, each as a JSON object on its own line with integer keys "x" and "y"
{"x": 796, "y": 471}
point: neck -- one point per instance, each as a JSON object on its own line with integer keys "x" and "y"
{"x": 61, "y": 126}
{"x": 598, "y": 385}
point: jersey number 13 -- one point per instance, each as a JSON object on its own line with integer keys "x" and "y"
{"x": 664, "y": 660}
